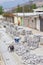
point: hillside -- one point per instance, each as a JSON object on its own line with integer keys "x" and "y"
{"x": 22, "y": 4}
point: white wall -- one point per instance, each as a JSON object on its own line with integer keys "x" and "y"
{"x": 25, "y": 21}
{"x": 32, "y": 24}
{"x": 38, "y": 24}
{"x": 15, "y": 20}
{"x": 1, "y": 18}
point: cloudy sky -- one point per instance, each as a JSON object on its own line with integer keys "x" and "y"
{"x": 11, "y": 3}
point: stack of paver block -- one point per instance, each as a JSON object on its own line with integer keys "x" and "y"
{"x": 41, "y": 40}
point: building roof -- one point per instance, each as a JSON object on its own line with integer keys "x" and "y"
{"x": 22, "y": 14}
{"x": 29, "y": 14}
{"x": 8, "y": 15}
{"x": 38, "y": 9}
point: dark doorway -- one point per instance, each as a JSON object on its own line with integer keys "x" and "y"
{"x": 41, "y": 23}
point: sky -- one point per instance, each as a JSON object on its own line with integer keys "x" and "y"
{"x": 11, "y": 3}
{"x": 1, "y": 1}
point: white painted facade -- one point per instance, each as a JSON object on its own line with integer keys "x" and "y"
{"x": 38, "y": 24}
{"x": 1, "y": 18}
{"x": 29, "y": 19}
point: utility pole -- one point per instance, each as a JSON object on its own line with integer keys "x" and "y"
{"x": 23, "y": 14}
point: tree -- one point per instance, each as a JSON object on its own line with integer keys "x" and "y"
{"x": 1, "y": 9}
{"x": 42, "y": 5}
{"x": 25, "y": 8}
{"x": 19, "y": 9}
{"x": 33, "y": 6}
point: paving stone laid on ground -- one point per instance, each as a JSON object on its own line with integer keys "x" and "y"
{"x": 13, "y": 58}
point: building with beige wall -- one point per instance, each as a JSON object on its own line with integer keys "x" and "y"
{"x": 32, "y": 20}
{"x": 29, "y": 20}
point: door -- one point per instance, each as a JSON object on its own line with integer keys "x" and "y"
{"x": 41, "y": 24}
